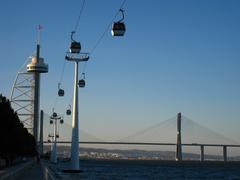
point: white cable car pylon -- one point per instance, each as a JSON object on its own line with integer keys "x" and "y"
{"x": 75, "y": 56}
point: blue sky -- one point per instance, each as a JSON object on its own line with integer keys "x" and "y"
{"x": 176, "y": 56}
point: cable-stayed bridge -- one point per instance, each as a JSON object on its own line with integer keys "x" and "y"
{"x": 161, "y": 136}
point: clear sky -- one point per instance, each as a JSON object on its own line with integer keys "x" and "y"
{"x": 176, "y": 56}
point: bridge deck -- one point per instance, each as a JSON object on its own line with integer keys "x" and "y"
{"x": 143, "y": 143}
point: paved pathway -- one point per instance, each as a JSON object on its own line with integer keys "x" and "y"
{"x": 34, "y": 172}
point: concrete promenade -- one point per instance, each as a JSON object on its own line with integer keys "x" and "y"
{"x": 34, "y": 172}
{"x": 28, "y": 170}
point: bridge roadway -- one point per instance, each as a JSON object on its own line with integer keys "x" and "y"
{"x": 144, "y": 143}
{"x": 224, "y": 146}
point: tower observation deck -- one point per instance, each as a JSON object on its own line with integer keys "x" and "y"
{"x": 35, "y": 66}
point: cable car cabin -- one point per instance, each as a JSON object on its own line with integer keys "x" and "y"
{"x": 118, "y": 29}
{"x": 68, "y": 112}
{"x": 81, "y": 83}
{"x": 75, "y": 47}
{"x": 60, "y": 92}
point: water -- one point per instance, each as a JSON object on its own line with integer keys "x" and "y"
{"x": 138, "y": 169}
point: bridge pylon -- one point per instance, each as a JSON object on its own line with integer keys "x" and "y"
{"x": 179, "y": 142}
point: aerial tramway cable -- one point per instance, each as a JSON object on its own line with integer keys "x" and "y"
{"x": 104, "y": 32}
{"x": 79, "y": 16}
{"x": 82, "y": 83}
{"x": 107, "y": 28}
{"x": 61, "y": 91}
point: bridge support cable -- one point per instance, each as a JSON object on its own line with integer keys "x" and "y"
{"x": 194, "y": 132}
{"x": 140, "y": 135}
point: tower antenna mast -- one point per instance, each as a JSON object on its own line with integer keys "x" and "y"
{"x": 39, "y": 28}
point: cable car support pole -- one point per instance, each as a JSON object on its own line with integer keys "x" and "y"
{"x": 75, "y": 115}
{"x": 75, "y": 124}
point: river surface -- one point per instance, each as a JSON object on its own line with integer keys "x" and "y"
{"x": 140, "y": 169}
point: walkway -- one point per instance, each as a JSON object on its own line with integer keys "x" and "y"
{"x": 35, "y": 172}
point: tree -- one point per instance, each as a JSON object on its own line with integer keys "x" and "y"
{"x": 15, "y": 139}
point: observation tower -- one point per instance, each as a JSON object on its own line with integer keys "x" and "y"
{"x": 36, "y": 67}
{"x": 25, "y": 95}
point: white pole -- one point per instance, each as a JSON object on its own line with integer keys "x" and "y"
{"x": 75, "y": 132}
{"x": 41, "y": 134}
{"x": 54, "y": 150}
{"x": 202, "y": 153}
{"x": 224, "y": 153}
{"x": 179, "y": 142}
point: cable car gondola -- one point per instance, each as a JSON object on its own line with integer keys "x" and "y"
{"x": 75, "y": 46}
{"x": 68, "y": 111}
{"x": 118, "y": 28}
{"x": 81, "y": 82}
{"x": 60, "y": 91}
